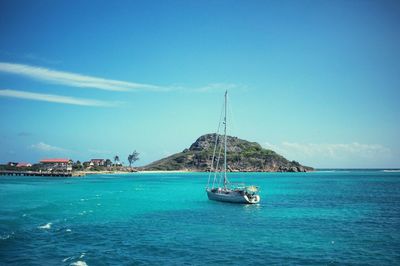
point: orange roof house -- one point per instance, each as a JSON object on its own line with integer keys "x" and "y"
{"x": 55, "y": 160}
{"x": 98, "y": 162}
{"x": 57, "y": 164}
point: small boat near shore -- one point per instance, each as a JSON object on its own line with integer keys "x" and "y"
{"x": 221, "y": 189}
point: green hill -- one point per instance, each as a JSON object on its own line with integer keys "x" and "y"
{"x": 242, "y": 155}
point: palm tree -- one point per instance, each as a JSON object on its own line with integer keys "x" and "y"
{"x": 133, "y": 158}
{"x": 116, "y": 159}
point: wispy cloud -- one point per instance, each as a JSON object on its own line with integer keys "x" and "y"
{"x": 333, "y": 151}
{"x": 37, "y": 58}
{"x": 24, "y": 134}
{"x": 100, "y": 152}
{"x": 41, "y": 146}
{"x": 219, "y": 87}
{"x": 54, "y": 98}
{"x": 85, "y": 81}
{"x": 29, "y": 56}
{"x": 74, "y": 79}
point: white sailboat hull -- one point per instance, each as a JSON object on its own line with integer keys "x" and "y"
{"x": 232, "y": 196}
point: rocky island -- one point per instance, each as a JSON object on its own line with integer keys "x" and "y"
{"x": 242, "y": 156}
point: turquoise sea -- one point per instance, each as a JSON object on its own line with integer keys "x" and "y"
{"x": 319, "y": 218}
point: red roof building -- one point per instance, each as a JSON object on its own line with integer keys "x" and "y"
{"x": 55, "y": 160}
{"x": 56, "y": 164}
{"x": 97, "y": 162}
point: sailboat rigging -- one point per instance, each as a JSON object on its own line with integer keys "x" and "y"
{"x": 221, "y": 188}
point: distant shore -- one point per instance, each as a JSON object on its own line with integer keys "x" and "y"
{"x": 165, "y": 171}
{"x": 83, "y": 173}
{"x": 116, "y": 172}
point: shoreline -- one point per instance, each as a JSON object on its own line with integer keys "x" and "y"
{"x": 167, "y": 171}
{"x": 117, "y": 172}
{"x": 144, "y": 172}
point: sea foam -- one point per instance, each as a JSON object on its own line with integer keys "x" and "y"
{"x": 5, "y": 237}
{"x": 68, "y": 258}
{"x": 78, "y": 263}
{"x": 46, "y": 226}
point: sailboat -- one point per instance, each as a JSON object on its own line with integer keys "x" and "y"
{"x": 221, "y": 189}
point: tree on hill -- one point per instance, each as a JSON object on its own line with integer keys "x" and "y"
{"x": 77, "y": 165}
{"x": 132, "y": 158}
{"x": 116, "y": 159}
{"x": 108, "y": 163}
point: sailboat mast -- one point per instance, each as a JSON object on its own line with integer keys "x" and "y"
{"x": 225, "y": 179}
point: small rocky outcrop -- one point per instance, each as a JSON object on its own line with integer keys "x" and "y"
{"x": 242, "y": 156}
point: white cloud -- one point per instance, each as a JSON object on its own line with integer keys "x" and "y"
{"x": 41, "y": 146}
{"x": 330, "y": 150}
{"x": 24, "y": 134}
{"x": 73, "y": 79}
{"x": 353, "y": 154}
{"x": 96, "y": 151}
{"x": 219, "y": 87}
{"x": 37, "y": 58}
{"x": 54, "y": 98}
{"x": 84, "y": 81}
{"x": 166, "y": 153}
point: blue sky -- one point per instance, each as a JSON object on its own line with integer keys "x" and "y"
{"x": 317, "y": 81}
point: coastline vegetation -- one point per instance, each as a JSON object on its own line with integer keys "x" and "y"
{"x": 133, "y": 158}
{"x": 76, "y": 168}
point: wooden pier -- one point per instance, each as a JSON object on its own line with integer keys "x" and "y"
{"x": 34, "y": 173}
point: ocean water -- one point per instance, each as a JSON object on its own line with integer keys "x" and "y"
{"x": 319, "y": 218}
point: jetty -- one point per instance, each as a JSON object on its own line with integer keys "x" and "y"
{"x": 36, "y": 173}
